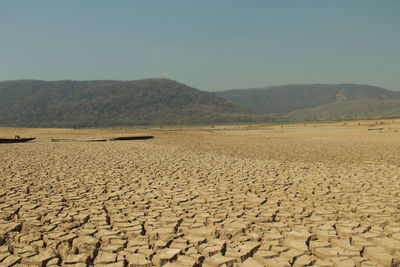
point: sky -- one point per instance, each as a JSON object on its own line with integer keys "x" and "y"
{"x": 210, "y": 45}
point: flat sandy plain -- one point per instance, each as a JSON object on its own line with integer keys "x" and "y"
{"x": 291, "y": 195}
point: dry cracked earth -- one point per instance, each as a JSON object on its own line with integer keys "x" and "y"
{"x": 296, "y": 196}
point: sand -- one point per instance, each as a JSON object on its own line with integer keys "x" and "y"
{"x": 292, "y": 195}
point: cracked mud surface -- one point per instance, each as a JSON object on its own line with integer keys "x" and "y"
{"x": 301, "y": 196}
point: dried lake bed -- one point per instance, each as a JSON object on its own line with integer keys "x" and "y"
{"x": 274, "y": 195}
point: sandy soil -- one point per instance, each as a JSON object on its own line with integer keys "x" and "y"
{"x": 292, "y": 195}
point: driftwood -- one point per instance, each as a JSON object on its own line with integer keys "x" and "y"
{"x": 123, "y": 138}
{"x": 78, "y": 140}
{"x": 17, "y": 139}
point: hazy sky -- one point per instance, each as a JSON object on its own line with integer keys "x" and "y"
{"x": 211, "y": 45}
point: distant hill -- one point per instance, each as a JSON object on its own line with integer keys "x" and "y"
{"x": 33, "y": 103}
{"x": 107, "y": 103}
{"x": 318, "y": 101}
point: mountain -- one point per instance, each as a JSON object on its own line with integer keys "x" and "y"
{"x": 108, "y": 103}
{"x": 318, "y": 101}
{"x": 33, "y": 103}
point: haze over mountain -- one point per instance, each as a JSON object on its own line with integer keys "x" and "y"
{"x": 318, "y": 101}
{"x": 33, "y": 103}
{"x": 108, "y": 103}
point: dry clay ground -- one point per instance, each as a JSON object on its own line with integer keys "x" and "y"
{"x": 293, "y": 195}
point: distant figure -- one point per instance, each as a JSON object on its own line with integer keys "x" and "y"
{"x": 17, "y": 137}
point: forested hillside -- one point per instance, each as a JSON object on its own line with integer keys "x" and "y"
{"x": 33, "y": 103}
{"x": 318, "y": 101}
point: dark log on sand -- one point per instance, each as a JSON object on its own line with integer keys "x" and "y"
{"x": 16, "y": 140}
{"x": 78, "y": 140}
{"x": 123, "y": 138}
